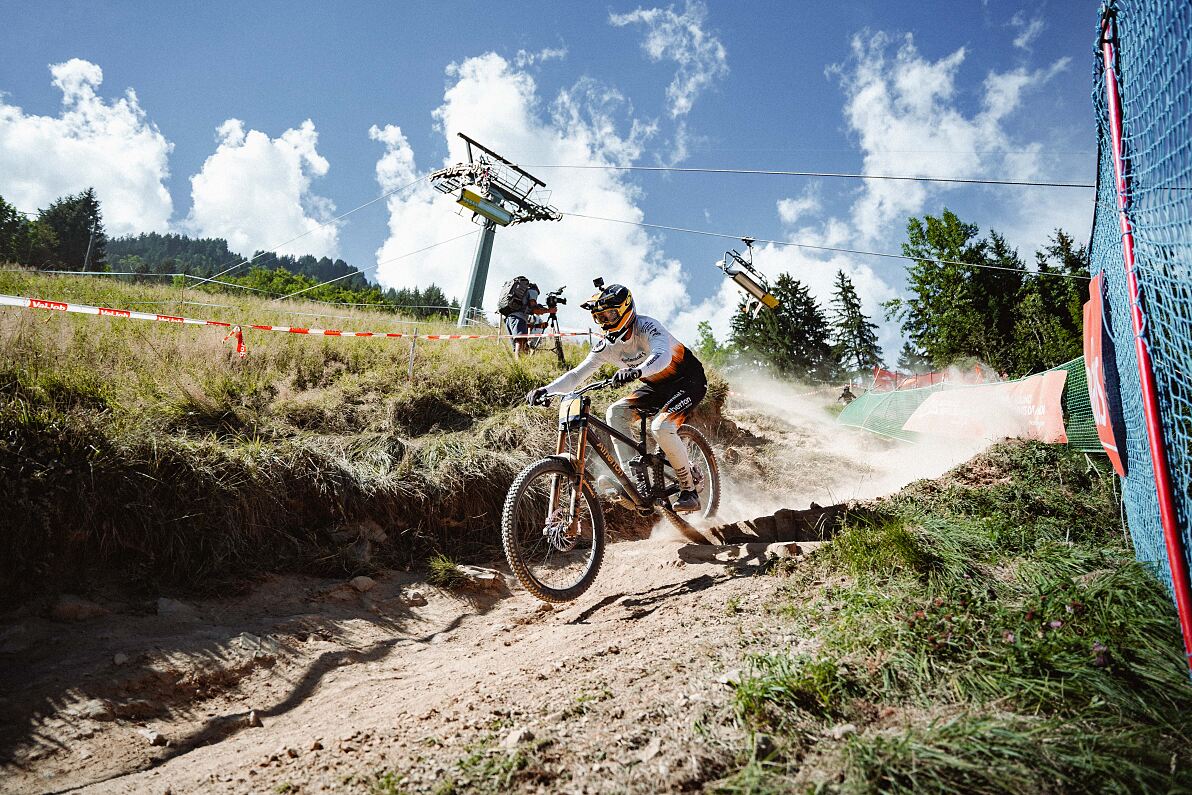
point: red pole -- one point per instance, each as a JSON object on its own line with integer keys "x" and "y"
{"x": 1146, "y": 378}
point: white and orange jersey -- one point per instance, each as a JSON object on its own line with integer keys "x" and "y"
{"x": 650, "y": 348}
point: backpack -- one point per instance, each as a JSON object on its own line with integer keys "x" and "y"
{"x": 514, "y": 294}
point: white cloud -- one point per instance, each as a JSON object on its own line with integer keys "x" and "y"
{"x": 790, "y": 211}
{"x": 255, "y": 192}
{"x": 499, "y": 105}
{"x": 906, "y": 115}
{"x": 680, "y": 37}
{"x": 108, "y": 145}
{"x": 587, "y": 124}
{"x": 525, "y": 58}
{"x": 1027, "y": 31}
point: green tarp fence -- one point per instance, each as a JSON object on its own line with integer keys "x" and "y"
{"x": 885, "y": 413}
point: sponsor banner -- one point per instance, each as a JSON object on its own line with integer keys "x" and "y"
{"x": 889, "y": 380}
{"x": 1029, "y": 408}
{"x": 1100, "y": 366}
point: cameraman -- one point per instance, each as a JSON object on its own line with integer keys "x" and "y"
{"x": 519, "y": 300}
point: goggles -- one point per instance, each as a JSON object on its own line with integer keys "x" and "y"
{"x": 606, "y": 317}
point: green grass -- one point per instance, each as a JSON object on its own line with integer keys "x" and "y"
{"x": 489, "y": 770}
{"x": 445, "y": 572}
{"x": 990, "y": 633}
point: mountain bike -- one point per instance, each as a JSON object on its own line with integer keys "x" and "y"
{"x": 552, "y": 525}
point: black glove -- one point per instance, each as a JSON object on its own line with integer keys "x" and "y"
{"x": 536, "y": 396}
{"x": 626, "y": 374}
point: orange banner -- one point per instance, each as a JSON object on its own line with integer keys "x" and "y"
{"x": 1030, "y": 408}
{"x": 1098, "y": 353}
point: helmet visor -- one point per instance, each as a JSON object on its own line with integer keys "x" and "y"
{"x": 607, "y": 317}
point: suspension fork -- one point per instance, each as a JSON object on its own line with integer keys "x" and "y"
{"x": 580, "y": 458}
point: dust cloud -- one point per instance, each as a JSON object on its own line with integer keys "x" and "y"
{"x": 790, "y": 452}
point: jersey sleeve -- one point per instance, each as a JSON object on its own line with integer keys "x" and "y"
{"x": 661, "y": 349}
{"x": 581, "y": 372}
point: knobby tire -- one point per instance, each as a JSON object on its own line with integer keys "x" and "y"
{"x": 509, "y": 539}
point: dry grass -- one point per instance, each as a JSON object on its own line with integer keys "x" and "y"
{"x": 150, "y": 452}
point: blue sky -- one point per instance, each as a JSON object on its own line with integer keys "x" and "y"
{"x": 971, "y": 89}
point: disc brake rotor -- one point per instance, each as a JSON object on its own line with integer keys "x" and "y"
{"x": 557, "y": 531}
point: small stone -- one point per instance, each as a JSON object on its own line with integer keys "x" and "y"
{"x": 787, "y": 550}
{"x": 485, "y": 579}
{"x": 154, "y": 737}
{"x": 651, "y": 750}
{"x": 119, "y": 658}
{"x": 76, "y": 608}
{"x": 840, "y": 731}
{"x": 292, "y": 753}
{"x": 730, "y": 678}
{"x": 363, "y": 584}
{"x": 316, "y": 746}
{"x": 414, "y": 599}
{"x": 258, "y": 645}
{"x": 253, "y": 720}
{"x": 178, "y": 611}
{"x": 516, "y": 738}
{"x": 95, "y": 710}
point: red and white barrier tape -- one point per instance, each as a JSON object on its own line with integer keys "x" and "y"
{"x": 237, "y": 328}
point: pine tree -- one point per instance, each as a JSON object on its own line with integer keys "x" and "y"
{"x": 78, "y": 225}
{"x": 25, "y": 241}
{"x": 793, "y": 339}
{"x": 709, "y": 350}
{"x": 958, "y": 309}
{"x": 1049, "y": 325}
{"x": 855, "y": 337}
{"x": 911, "y": 360}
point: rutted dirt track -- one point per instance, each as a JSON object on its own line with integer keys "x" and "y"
{"x": 307, "y": 685}
{"x": 601, "y": 695}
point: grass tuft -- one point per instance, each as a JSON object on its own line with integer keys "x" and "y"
{"x": 445, "y": 572}
{"x": 987, "y": 632}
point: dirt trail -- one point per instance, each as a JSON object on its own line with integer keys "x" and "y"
{"x": 306, "y": 685}
{"x": 347, "y": 685}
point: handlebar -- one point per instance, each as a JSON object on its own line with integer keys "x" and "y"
{"x": 582, "y": 390}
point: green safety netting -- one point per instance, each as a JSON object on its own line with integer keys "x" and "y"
{"x": 885, "y": 413}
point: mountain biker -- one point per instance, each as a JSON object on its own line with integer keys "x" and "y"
{"x": 642, "y": 348}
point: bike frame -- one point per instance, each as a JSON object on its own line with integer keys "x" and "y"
{"x": 583, "y": 421}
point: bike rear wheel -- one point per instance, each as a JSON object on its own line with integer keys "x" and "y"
{"x": 704, "y": 470}
{"x": 554, "y": 554}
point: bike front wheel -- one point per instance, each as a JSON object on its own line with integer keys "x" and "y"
{"x": 553, "y": 532}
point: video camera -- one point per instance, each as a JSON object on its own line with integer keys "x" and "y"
{"x": 555, "y": 297}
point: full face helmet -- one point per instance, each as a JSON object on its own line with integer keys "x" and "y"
{"x": 612, "y": 309}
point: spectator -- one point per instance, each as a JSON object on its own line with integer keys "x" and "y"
{"x": 519, "y": 300}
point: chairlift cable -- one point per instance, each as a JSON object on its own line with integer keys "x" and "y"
{"x": 833, "y": 249}
{"x": 379, "y": 264}
{"x": 316, "y": 228}
{"x": 820, "y": 174}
